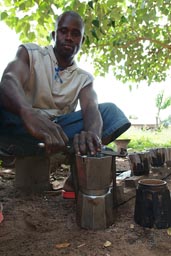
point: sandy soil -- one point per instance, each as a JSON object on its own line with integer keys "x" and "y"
{"x": 45, "y": 225}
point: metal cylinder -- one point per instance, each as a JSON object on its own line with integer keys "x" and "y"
{"x": 94, "y": 174}
{"x": 139, "y": 163}
{"x": 153, "y": 204}
{"x": 95, "y": 212}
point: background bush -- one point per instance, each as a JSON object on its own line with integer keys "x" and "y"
{"x": 142, "y": 139}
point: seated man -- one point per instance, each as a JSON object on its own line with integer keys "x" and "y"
{"x": 39, "y": 92}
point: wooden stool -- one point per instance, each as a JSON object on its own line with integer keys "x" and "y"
{"x": 32, "y": 173}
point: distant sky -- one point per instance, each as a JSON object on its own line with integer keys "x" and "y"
{"x": 139, "y": 102}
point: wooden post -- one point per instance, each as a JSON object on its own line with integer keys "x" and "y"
{"x": 32, "y": 173}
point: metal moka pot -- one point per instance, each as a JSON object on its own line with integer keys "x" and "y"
{"x": 95, "y": 197}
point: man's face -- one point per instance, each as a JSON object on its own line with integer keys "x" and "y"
{"x": 69, "y": 36}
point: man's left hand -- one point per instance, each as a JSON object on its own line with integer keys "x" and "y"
{"x": 87, "y": 143}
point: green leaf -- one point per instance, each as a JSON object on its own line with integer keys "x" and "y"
{"x": 87, "y": 40}
{"x": 94, "y": 34}
{"x": 123, "y": 19}
{"x": 31, "y": 36}
{"x": 3, "y": 15}
{"x": 112, "y": 23}
{"x": 90, "y": 4}
{"x": 22, "y": 6}
{"x": 7, "y": 3}
{"x": 96, "y": 23}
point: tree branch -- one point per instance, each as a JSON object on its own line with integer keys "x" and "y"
{"x": 123, "y": 46}
{"x": 167, "y": 46}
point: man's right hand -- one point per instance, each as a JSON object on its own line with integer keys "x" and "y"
{"x": 40, "y": 127}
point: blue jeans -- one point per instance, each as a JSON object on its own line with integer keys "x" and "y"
{"x": 15, "y": 139}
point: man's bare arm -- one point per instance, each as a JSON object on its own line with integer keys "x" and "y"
{"x": 12, "y": 98}
{"x": 90, "y": 138}
{"x": 14, "y": 77}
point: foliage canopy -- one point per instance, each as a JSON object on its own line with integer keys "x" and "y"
{"x": 129, "y": 37}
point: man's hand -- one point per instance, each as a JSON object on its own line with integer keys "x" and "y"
{"x": 87, "y": 143}
{"x": 40, "y": 127}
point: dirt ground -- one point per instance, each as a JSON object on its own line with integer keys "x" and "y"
{"x": 45, "y": 225}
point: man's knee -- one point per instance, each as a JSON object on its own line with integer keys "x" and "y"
{"x": 115, "y": 122}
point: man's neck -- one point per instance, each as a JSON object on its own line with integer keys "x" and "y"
{"x": 63, "y": 62}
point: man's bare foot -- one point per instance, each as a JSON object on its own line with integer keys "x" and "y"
{"x": 68, "y": 185}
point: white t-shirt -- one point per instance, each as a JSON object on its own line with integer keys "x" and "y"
{"x": 53, "y": 92}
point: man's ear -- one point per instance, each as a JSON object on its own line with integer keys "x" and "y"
{"x": 53, "y": 35}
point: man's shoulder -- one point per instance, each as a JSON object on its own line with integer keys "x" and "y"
{"x": 35, "y": 47}
{"x": 31, "y": 46}
{"x": 85, "y": 73}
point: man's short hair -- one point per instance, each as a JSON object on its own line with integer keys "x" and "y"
{"x": 70, "y": 13}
